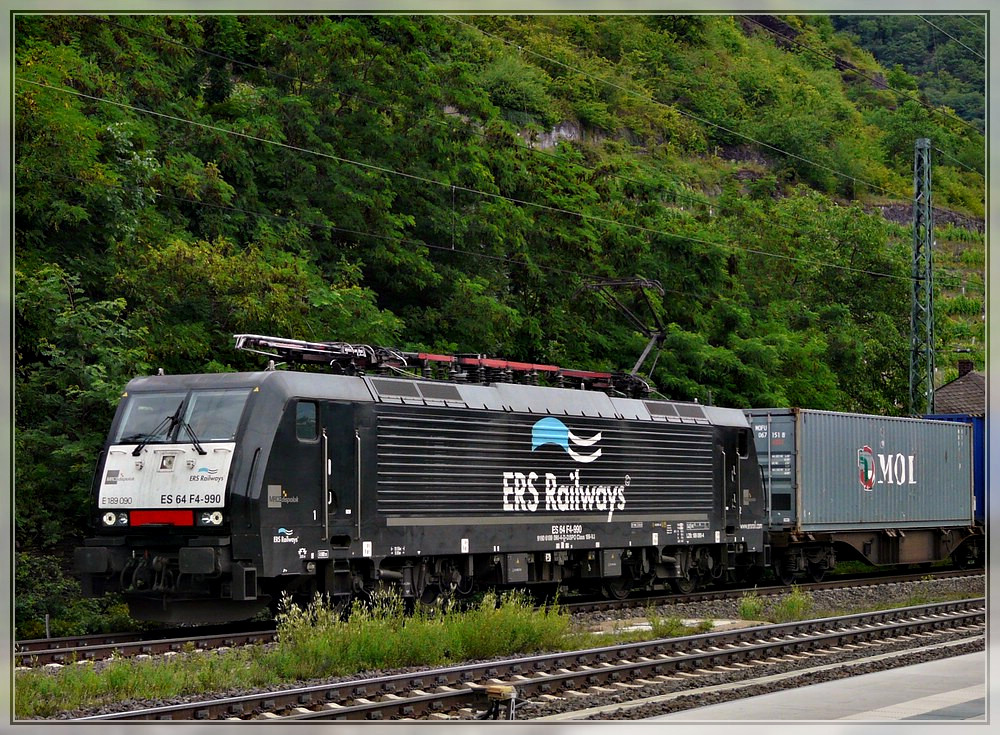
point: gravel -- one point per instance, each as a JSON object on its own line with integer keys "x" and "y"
{"x": 824, "y": 602}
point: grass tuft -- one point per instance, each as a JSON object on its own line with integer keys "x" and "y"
{"x": 752, "y": 606}
{"x": 312, "y": 642}
{"x": 793, "y": 606}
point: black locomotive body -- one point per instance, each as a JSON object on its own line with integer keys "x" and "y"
{"x": 216, "y": 494}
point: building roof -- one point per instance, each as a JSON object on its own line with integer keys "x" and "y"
{"x": 966, "y": 394}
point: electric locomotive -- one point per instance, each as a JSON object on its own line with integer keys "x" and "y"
{"x": 215, "y": 495}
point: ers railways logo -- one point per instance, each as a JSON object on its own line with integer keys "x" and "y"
{"x": 893, "y": 469}
{"x": 554, "y": 431}
{"x": 529, "y": 491}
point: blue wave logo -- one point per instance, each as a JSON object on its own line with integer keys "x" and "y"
{"x": 553, "y": 431}
{"x": 209, "y": 471}
{"x": 285, "y": 531}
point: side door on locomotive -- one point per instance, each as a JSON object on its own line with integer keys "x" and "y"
{"x": 310, "y": 490}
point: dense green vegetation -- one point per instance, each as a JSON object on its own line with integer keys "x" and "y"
{"x": 942, "y": 56}
{"x": 450, "y": 183}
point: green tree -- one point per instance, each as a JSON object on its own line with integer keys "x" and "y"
{"x": 73, "y": 356}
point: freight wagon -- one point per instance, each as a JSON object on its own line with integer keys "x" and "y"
{"x": 886, "y": 490}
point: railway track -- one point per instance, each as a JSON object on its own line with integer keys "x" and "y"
{"x": 42, "y": 651}
{"x": 509, "y": 689}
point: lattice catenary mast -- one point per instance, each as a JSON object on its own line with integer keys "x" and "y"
{"x": 922, "y": 314}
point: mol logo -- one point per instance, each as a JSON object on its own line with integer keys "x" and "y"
{"x": 866, "y": 467}
{"x": 553, "y": 431}
{"x": 532, "y": 491}
{"x": 885, "y": 469}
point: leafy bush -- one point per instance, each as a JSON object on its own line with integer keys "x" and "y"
{"x": 316, "y": 641}
{"x": 961, "y": 305}
{"x": 42, "y": 589}
{"x": 519, "y": 90}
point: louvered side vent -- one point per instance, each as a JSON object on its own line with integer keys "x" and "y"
{"x": 691, "y": 413}
{"x": 397, "y": 391}
{"x": 446, "y": 463}
{"x": 441, "y": 394}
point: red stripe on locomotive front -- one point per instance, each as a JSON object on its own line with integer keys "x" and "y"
{"x": 162, "y": 517}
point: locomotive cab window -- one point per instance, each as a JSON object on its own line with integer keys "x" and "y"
{"x": 306, "y": 421}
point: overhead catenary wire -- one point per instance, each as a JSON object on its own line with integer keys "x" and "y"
{"x": 965, "y": 19}
{"x": 522, "y": 48}
{"x": 675, "y": 108}
{"x": 506, "y": 260}
{"x": 370, "y": 166}
{"x": 854, "y": 70}
{"x": 956, "y": 161}
{"x": 422, "y": 179}
{"x": 523, "y": 144}
{"x": 674, "y": 194}
{"x": 952, "y": 37}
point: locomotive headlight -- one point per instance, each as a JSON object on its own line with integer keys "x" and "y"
{"x": 109, "y": 519}
{"x": 210, "y": 518}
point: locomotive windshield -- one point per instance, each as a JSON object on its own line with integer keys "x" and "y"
{"x": 144, "y": 417}
{"x": 213, "y": 415}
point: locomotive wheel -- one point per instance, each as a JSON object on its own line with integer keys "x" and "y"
{"x": 431, "y": 597}
{"x": 785, "y": 576}
{"x": 685, "y": 585}
{"x": 815, "y": 572}
{"x": 617, "y": 588}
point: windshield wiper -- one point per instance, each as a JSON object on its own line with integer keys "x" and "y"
{"x": 194, "y": 439}
{"x": 165, "y": 426}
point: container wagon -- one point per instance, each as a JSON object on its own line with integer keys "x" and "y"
{"x": 886, "y": 490}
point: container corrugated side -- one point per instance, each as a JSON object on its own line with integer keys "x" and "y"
{"x": 978, "y": 424}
